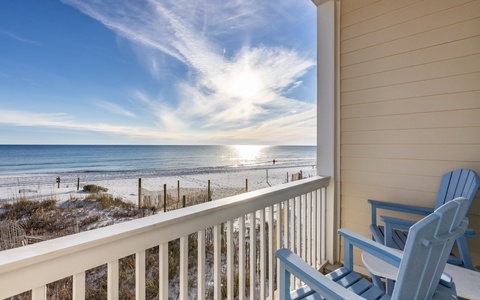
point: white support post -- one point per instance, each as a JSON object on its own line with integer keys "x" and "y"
{"x": 327, "y": 120}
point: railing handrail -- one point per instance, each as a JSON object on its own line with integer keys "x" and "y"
{"x": 76, "y": 253}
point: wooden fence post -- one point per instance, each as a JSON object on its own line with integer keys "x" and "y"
{"x": 246, "y": 185}
{"x": 208, "y": 192}
{"x": 78, "y": 183}
{"x": 164, "y": 197}
{"x": 139, "y": 192}
{"x": 75, "y": 225}
{"x": 178, "y": 190}
{"x": 184, "y": 201}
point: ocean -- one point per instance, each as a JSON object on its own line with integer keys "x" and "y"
{"x": 32, "y": 164}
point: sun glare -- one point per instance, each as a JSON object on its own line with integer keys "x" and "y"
{"x": 248, "y": 152}
{"x": 245, "y": 84}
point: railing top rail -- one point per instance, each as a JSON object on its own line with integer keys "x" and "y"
{"x": 79, "y": 252}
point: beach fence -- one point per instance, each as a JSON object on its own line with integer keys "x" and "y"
{"x": 167, "y": 200}
{"x": 170, "y": 199}
{"x": 297, "y": 176}
{"x": 175, "y": 198}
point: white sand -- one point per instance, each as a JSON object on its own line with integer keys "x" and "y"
{"x": 127, "y": 189}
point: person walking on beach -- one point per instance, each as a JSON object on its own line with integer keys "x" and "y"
{"x": 273, "y": 161}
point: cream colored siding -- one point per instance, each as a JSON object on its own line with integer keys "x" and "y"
{"x": 410, "y": 103}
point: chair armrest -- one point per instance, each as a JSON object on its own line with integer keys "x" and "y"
{"x": 397, "y": 223}
{"x": 383, "y": 269}
{"x": 290, "y": 263}
{"x": 412, "y": 209}
{"x": 351, "y": 239}
{"x": 470, "y": 233}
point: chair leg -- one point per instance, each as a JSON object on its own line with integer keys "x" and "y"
{"x": 377, "y": 282}
{"x": 284, "y": 290}
{"x": 464, "y": 252}
{"x": 389, "y": 286}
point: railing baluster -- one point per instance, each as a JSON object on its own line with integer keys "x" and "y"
{"x": 253, "y": 255}
{"x": 323, "y": 235}
{"x": 201, "y": 265}
{"x": 230, "y": 266}
{"x": 279, "y": 235}
{"x": 78, "y": 285}
{"x": 217, "y": 260}
{"x": 183, "y": 267}
{"x": 292, "y": 225}
{"x": 319, "y": 226}
{"x": 286, "y": 224}
{"x": 140, "y": 275}
{"x": 309, "y": 228}
{"x": 314, "y": 228}
{"x": 271, "y": 254}
{"x": 112, "y": 280}
{"x": 262, "y": 254}
{"x": 241, "y": 258}
{"x": 298, "y": 231}
{"x": 292, "y": 229}
{"x": 303, "y": 225}
{"x": 39, "y": 293}
{"x": 163, "y": 271}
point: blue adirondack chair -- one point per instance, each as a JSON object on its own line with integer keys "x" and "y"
{"x": 420, "y": 266}
{"x": 457, "y": 183}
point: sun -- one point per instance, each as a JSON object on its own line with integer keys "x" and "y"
{"x": 245, "y": 84}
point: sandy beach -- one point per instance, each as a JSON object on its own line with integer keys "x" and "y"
{"x": 222, "y": 184}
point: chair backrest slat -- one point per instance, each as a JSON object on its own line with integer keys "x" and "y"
{"x": 458, "y": 183}
{"x": 423, "y": 261}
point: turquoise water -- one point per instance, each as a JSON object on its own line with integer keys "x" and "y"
{"x": 35, "y": 162}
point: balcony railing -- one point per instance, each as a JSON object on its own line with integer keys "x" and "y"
{"x": 291, "y": 215}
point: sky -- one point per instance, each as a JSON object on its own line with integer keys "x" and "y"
{"x": 158, "y": 72}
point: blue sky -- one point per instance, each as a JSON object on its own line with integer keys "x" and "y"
{"x": 157, "y": 72}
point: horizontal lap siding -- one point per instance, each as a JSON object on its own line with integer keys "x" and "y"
{"x": 410, "y": 102}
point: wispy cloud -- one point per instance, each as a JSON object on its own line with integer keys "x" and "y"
{"x": 17, "y": 37}
{"x": 115, "y": 108}
{"x": 229, "y": 90}
{"x": 285, "y": 128}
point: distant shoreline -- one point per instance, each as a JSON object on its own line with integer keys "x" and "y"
{"x": 127, "y": 188}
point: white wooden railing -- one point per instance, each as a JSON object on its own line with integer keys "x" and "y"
{"x": 250, "y": 218}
